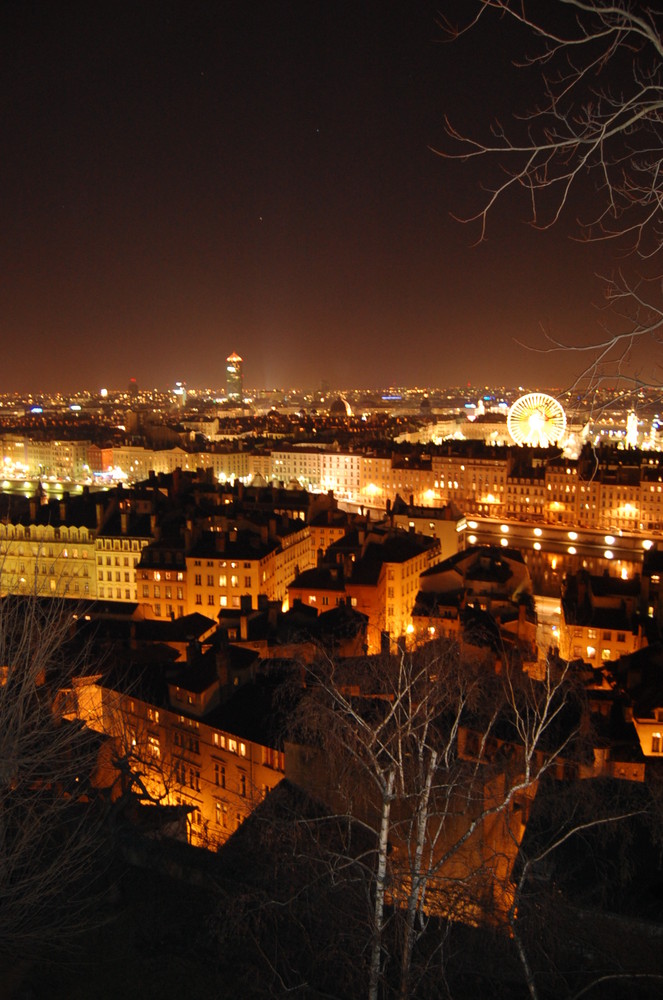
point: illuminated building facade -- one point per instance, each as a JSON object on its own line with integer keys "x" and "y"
{"x": 48, "y": 549}
{"x": 187, "y": 749}
{"x": 234, "y": 378}
{"x": 118, "y": 545}
{"x": 375, "y": 571}
{"x": 599, "y": 620}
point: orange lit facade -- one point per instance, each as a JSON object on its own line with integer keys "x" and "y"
{"x": 184, "y": 760}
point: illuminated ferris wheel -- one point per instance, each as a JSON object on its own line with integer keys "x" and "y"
{"x": 537, "y": 420}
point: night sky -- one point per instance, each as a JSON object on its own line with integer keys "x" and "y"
{"x": 180, "y": 180}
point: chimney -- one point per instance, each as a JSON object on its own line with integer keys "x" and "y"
{"x": 124, "y": 522}
{"x": 244, "y": 627}
{"x": 222, "y": 665}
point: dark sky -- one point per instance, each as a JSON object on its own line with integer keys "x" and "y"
{"x": 180, "y": 180}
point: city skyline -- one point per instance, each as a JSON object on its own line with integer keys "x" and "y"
{"x": 183, "y": 184}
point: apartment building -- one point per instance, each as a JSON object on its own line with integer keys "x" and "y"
{"x": 600, "y": 618}
{"x": 193, "y": 742}
{"x": 374, "y": 569}
{"x": 48, "y": 548}
{"x": 126, "y": 529}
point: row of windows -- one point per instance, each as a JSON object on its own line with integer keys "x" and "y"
{"x": 42, "y": 552}
{"x": 168, "y": 592}
{"x": 158, "y": 575}
{"x": 593, "y": 633}
{"x": 108, "y": 592}
{"x": 170, "y": 611}
{"x": 116, "y": 543}
{"x": 52, "y": 570}
{"x": 223, "y": 601}
{"x": 211, "y": 562}
{"x": 18, "y": 531}
{"x": 223, "y": 580}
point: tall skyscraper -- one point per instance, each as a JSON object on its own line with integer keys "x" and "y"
{"x": 234, "y": 381}
{"x": 180, "y": 394}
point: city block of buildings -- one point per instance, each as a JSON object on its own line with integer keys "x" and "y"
{"x": 606, "y": 489}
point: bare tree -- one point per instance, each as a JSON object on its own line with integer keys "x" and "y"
{"x": 599, "y": 119}
{"x": 51, "y": 823}
{"x": 437, "y": 762}
{"x": 575, "y": 862}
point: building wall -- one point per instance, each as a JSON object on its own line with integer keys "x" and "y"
{"x": 613, "y": 497}
{"x": 597, "y": 645}
{"x": 162, "y": 592}
{"x": 184, "y": 760}
{"x": 48, "y": 561}
{"x": 116, "y": 562}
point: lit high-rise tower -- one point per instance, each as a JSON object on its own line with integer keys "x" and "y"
{"x": 234, "y": 381}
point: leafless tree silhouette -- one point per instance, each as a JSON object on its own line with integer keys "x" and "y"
{"x": 599, "y": 119}
{"x": 51, "y": 824}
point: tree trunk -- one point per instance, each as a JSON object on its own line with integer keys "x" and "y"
{"x": 418, "y": 879}
{"x": 380, "y": 884}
